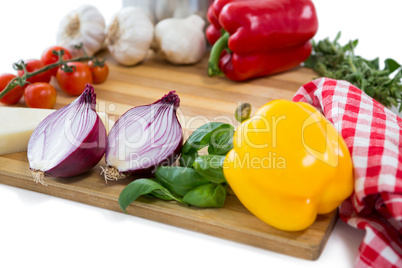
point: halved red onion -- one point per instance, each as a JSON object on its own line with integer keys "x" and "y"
{"x": 68, "y": 142}
{"x": 144, "y": 138}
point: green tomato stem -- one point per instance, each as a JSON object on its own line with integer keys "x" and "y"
{"x": 23, "y": 79}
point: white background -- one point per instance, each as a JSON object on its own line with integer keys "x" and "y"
{"x": 37, "y": 230}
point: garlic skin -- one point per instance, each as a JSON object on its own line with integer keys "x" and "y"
{"x": 181, "y": 41}
{"x": 84, "y": 25}
{"x": 129, "y": 36}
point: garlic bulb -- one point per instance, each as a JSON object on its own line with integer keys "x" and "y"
{"x": 84, "y": 25}
{"x": 181, "y": 41}
{"x": 129, "y": 36}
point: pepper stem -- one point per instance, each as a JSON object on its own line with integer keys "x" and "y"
{"x": 220, "y": 45}
{"x": 242, "y": 112}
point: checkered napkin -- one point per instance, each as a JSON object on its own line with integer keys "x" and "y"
{"x": 373, "y": 135}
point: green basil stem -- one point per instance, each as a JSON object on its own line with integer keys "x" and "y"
{"x": 217, "y": 48}
{"x": 21, "y": 81}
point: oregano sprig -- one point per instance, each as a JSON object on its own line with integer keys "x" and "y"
{"x": 330, "y": 59}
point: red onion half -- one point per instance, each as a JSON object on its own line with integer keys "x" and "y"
{"x": 68, "y": 142}
{"x": 144, "y": 138}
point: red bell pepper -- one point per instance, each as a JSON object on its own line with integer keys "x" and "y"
{"x": 238, "y": 67}
{"x": 213, "y": 31}
{"x": 264, "y": 37}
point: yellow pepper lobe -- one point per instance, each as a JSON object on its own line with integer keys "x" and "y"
{"x": 289, "y": 164}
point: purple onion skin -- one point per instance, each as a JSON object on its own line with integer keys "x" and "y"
{"x": 83, "y": 159}
{"x": 171, "y": 99}
{"x": 149, "y": 171}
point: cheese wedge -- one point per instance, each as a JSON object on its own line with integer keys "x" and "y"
{"x": 17, "y": 125}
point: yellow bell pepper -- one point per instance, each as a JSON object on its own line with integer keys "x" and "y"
{"x": 289, "y": 164}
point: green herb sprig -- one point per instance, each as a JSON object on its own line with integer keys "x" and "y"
{"x": 332, "y": 60}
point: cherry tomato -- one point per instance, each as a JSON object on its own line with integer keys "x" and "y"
{"x": 33, "y": 65}
{"x": 13, "y": 96}
{"x": 40, "y": 95}
{"x": 48, "y": 57}
{"x": 99, "y": 74}
{"x": 73, "y": 83}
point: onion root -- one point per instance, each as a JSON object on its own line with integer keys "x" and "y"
{"x": 112, "y": 174}
{"x": 38, "y": 176}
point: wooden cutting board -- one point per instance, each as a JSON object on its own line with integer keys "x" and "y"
{"x": 202, "y": 99}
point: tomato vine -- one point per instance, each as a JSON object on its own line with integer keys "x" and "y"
{"x": 61, "y": 63}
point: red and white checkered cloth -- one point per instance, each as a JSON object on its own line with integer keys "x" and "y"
{"x": 373, "y": 135}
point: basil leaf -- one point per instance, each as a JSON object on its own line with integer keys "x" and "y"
{"x": 201, "y": 137}
{"x": 205, "y": 162}
{"x": 210, "y": 167}
{"x": 179, "y": 180}
{"x": 187, "y": 160}
{"x": 222, "y": 142}
{"x": 161, "y": 195}
{"x": 207, "y": 195}
{"x": 141, "y": 187}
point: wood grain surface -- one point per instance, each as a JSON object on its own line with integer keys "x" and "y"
{"x": 202, "y": 99}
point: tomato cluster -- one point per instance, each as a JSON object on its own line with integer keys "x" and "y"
{"x": 38, "y": 93}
